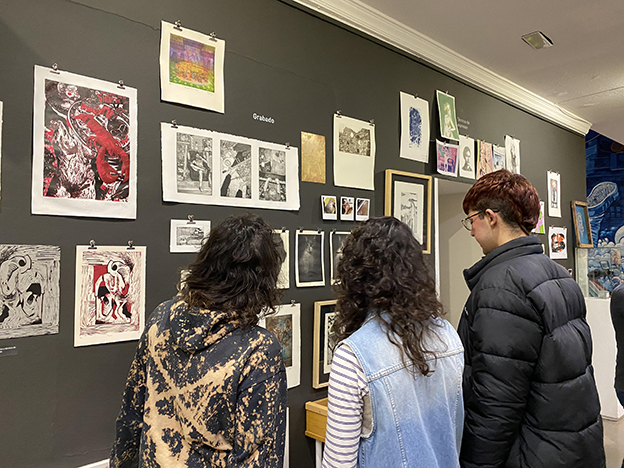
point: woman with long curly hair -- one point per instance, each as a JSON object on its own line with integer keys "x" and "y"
{"x": 207, "y": 387}
{"x": 395, "y": 395}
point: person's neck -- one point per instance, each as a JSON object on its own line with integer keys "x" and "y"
{"x": 506, "y": 235}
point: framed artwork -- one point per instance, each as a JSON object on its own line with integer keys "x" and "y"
{"x": 191, "y": 68}
{"x": 448, "y": 119}
{"x": 347, "y": 208}
{"x": 354, "y": 153}
{"x": 554, "y": 194}
{"x": 286, "y": 326}
{"x": 312, "y": 158}
{"x": 110, "y": 294}
{"x": 310, "y": 261}
{"x": 362, "y": 209}
{"x": 29, "y": 290}
{"x": 329, "y": 206}
{"x": 446, "y": 157}
{"x": 336, "y": 243}
{"x": 84, "y": 146}
{"x": 281, "y": 236}
{"x": 414, "y": 128}
{"x": 512, "y": 154}
{"x": 466, "y": 161}
{"x": 187, "y": 236}
{"x": 324, "y": 342}
{"x": 558, "y": 245}
{"x": 408, "y": 198}
{"x": 582, "y": 228}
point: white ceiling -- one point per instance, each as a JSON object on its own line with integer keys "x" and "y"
{"x": 581, "y": 76}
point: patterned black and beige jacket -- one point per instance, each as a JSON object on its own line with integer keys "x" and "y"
{"x": 202, "y": 393}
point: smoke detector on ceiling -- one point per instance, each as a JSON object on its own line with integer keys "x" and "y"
{"x": 537, "y": 40}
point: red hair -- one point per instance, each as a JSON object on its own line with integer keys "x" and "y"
{"x": 511, "y": 195}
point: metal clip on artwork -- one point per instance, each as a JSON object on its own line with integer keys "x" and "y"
{"x": 121, "y": 85}
{"x": 292, "y": 303}
{"x": 319, "y": 230}
{"x": 338, "y": 113}
{"x": 191, "y": 219}
{"x": 213, "y": 36}
{"x": 300, "y": 228}
{"x": 288, "y": 145}
{"x": 55, "y": 68}
{"x": 92, "y": 245}
{"x": 174, "y": 124}
{"x": 130, "y": 245}
{"x": 177, "y": 25}
{"x": 283, "y": 228}
{"x": 372, "y": 122}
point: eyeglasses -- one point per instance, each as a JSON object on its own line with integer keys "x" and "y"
{"x": 467, "y": 221}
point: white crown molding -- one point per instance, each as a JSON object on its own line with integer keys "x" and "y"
{"x": 376, "y": 24}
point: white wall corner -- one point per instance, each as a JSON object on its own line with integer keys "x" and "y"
{"x": 376, "y": 24}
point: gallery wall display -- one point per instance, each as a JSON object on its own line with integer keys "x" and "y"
{"x": 337, "y": 240}
{"x": 512, "y": 154}
{"x": 362, "y": 209}
{"x": 324, "y": 342}
{"x": 282, "y": 236}
{"x": 485, "y": 164}
{"x": 84, "y": 146}
{"x": 29, "y": 290}
{"x": 187, "y": 236}
{"x": 347, "y": 208}
{"x": 414, "y": 128}
{"x": 286, "y": 326}
{"x": 554, "y": 194}
{"x": 211, "y": 168}
{"x": 582, "y": 227}
{"x": 309, "y": 259}
{"x": 110, "y": 294}
{"x": 312, "y": 158}
{"x": 447, "y": 158}
{"x": 466, "y": 161}
{"x": 498, "y": 157}
{"x": 354, "y": 153}
{"x": 558, "y": 242}
{"x": 329, "y": 207}
{"x": 448, "y": 119}
{"x": 408, "y": 198}
{"x": 191, "y": 68}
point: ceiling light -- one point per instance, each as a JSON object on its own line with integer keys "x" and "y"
{"x": 537, "y": 40}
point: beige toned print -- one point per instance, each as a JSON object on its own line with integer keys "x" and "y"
{"x": 312, "y": 158}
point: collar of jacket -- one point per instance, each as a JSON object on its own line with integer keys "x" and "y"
{"x": 524, "y": 245}
{"x": 193, "y": 328}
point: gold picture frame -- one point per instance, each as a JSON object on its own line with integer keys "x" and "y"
{"x": 321, "y": 347}
{"x": 415, "y": 189}
{"x": 582, "y": 226}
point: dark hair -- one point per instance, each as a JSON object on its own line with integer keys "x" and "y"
{"x": 382, "y": 272}
{"x": 512, "y": 195}
{"x": 236, "y": 270}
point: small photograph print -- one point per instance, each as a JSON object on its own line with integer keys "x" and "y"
{"x": 187, "y": 236}
{"x": 485, "y": 164}
{"x": 272, "y": 174}
{"x": 448, "y": 119}
{"x": 558, "y": 237}
{"x": 29, "y": 290}
{"x": 512, "y": 154}
{"x": 466, "y": 161}
{"x": 354, "y": 142}
{"x": 554, "y": 194}
{"x": 347, "y": 208}
{"x": 362, "y": 212}
{"x": 446, "y": 155}
{"x": 235, "y": 169}
{"x": 312, "y": 158}
{"x": 414, "y": 128}
{"x": 281, "y": 238}
{"x": 329, "y": 206}
{"x": 336, "y": 243}
{"x": 310, "y": 267}
{"x": 498, "y": 157}
{"x": 540, "y": 228}
{"x": 194, "y": 164}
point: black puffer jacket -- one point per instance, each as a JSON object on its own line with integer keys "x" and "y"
{"x": 529, "y": 390}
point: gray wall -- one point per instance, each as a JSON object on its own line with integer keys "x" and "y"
{"x": 58, "y": 403}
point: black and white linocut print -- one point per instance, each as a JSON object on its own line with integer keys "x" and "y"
{"x": 272, "y": 174}
{"x": 194, "y": 165}
{"x": 336, "y": 244}
{"x": 310, "y": 261}
{"x": 354, "y": 142}
{"x": 29, "y": 290}
{"x": 235, "y": 169}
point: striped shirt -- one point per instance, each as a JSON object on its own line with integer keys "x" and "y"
{"x": 347, "y": 389}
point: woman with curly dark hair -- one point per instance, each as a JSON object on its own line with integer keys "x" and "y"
{"x": 395, "y": 395}
{"x": 207, "y": 387}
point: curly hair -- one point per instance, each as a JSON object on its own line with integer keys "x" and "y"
{"x": 382, "y": 272}
{"x": 236, "y": 270}
{"x": 511, "y": 195}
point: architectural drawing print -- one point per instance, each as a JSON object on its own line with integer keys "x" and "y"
{"x": 187, "y": 236}
{"x": 272, "y": 174}
{"x": 194, "y": 166}
{"x": 235, "y": 169}
{"x": 29, "y": 290}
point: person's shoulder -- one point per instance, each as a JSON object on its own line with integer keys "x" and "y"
{"x": 262, "y": 340}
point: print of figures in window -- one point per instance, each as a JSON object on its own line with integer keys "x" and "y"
{"x": 354, "y": 143}
{"x": 235, "y": 169}
{"x": 193, "y": 164}
{"x": 87, "y": 144}
{"x": 272, "y": 175}
{"x": 557, "y": 242}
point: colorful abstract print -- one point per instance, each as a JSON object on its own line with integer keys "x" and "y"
{"x": 191, "y": 63}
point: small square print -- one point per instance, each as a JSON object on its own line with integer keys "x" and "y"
{"x": 362, "y": 209}
{"x": 347, "y": 208}
{"x": 329, "y": 206}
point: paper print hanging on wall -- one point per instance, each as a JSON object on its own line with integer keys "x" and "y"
{"x": 29, "y": 290}
{"x": 110, "y": 294}
{"x": 187, "y": 236}
{"x": 466, "y": 161}
{"x": 485, "y": 165}
{"x": 84, "y": 144}
{"x": 512, "y": 154}
{"x": 312, "y": 158}
{"x": 310, "y": 261}
{"x": 362, "y": 209}
{"x": 329, "y": 207}
{"x": 281, "y": 237}
{"x": 446, "y": 156}
{"x": 558, "y": 237}
{"x": 554, "y": 194}
{"x": 337, "y": 240}
{"x": 448, "y": 119}
{"x": 205, "y": 167}
{"x": 414, "y": 128}
{"x": 354, "y": 153}
{"x": 191, "y": 68}
{"x": 540, "y": 227}
{"x": 498, "y": 157}
{"x": 285, "y": 325}
{"x": 347, "y": 208}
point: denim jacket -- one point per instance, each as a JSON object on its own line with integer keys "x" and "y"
{"x": 417, "y": 420}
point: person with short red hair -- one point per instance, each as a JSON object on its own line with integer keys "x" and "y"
{"x": 529, "y": 392}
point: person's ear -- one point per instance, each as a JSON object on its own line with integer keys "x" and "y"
{"x": 491, "y": 217}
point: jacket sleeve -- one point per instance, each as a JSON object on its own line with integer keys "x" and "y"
{"x": 129, "y": 423}
{"x": 504, "y": 340}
